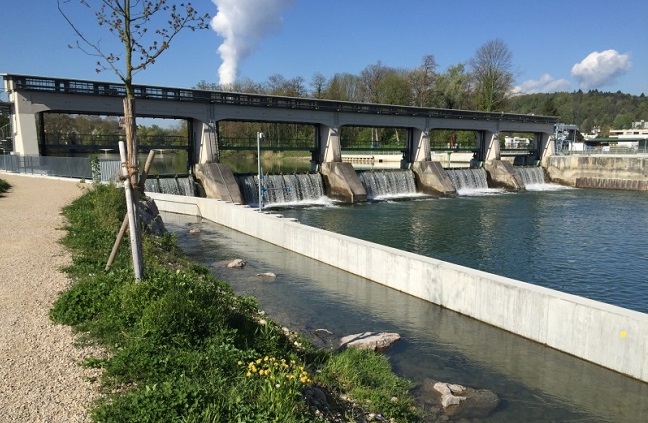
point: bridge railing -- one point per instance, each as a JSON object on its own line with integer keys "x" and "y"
{"x": 250, "y": 143}
{"x": 66, "y": 86}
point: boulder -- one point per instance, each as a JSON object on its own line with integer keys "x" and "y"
{"x": 150, "y": 217}
{"x": 456, "y": 401}
{"x": 267, "y": 275}
{"x": 376, "y": 341}
{"x": 236, "y": 264}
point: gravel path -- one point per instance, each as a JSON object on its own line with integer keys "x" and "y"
{"x": 40, "y": 376}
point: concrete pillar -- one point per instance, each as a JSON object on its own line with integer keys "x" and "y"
{"x": 25, "y": 133}
{"x": 342, "y": 182}
{"x": 330, "y": 148}
{"x": 431, "y": 178}
{"x": 219, "y": 182}
{"x": 491, "y": 146}
{"x": 546, "y": 144}
{"x": 502, "y": 174}
{"x": 420, "y": 146}
{"x": 206, "y": 149}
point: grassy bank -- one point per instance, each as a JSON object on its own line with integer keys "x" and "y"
{"x": 180, "y": 346}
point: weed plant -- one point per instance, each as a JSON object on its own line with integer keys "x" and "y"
{"x": 4, "y": 186}
{"x": 181, "y": 347}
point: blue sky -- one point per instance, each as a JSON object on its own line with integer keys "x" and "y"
{"x": 556, "y": 45}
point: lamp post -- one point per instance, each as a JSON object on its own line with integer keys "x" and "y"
{"x": 259, "y": 138}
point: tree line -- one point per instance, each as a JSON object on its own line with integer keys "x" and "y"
{"x": 484, "y": 82}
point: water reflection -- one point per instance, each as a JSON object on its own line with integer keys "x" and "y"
{"x": 585, "y": 242}
{"x": 537, "y": 384}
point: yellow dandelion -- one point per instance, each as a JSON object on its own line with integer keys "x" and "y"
{"x": 248, "y": 374}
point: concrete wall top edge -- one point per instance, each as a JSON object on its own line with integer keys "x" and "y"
{"x": 274, "y": 219}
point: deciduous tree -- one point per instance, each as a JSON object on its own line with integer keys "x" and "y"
{"x": 491, "y": 69}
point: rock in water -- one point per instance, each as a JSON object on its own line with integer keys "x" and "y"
{"x": 375, "y": 341}
{"x": 267, "y": 275}
{"x": 236, "y": 264}
{"x": 458, "y": 402}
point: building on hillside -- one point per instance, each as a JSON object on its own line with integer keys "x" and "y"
{"x": 637, "y": 130}
{"x": 636, "y": 136}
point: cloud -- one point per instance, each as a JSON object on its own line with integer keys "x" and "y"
{"x": 243, "y": 24}
{"x": 545, "y": 84}
{"x": 601, "y": 68}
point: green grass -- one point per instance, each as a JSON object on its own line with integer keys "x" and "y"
{"x": 181, "y": 347}
{"x": 4, "y": 186}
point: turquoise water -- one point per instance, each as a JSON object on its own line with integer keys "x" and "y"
{"x": 592, "y": 243}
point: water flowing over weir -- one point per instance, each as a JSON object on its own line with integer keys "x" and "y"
{"x": 531, "y": 175}
{"x": 173, "y": 185}
{"x": 388, "y": 183}
{"x": 468, "y": 178}
{"x": 282, "y": 189}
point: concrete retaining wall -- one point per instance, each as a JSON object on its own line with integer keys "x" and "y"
{"x": 613, "y": 337}
{"x": 599, "y": 171}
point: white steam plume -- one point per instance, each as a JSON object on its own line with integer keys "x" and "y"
{"x": 243, "y": 24}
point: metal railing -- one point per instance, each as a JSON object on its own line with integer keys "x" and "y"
{"x": 102, "y": 88}
{"x": 250, "y": 143}
{"x": 605, "y": 150}
{"x": 64, "y": 167}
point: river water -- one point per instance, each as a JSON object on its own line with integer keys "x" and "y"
{"x": 592, "y": 243}
{"x": 565, "y": 229}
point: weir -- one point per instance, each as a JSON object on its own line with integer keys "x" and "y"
{"x": 282, "y": 189}
{"x": 531, "y": 175}
{"x": 463, "y": 179}
{"x": 171, "y": 185}
{"x": 392, "y": 183}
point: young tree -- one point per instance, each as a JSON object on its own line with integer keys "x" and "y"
{"x": 491, "y": 70}
{"x": 145, "y": 29}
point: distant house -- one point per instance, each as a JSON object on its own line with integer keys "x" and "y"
{"x": 638, "y": 132}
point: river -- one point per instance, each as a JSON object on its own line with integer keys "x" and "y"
{"x": 586, "y": 242}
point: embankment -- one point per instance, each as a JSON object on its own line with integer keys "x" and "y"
{"x": 606, "y": 172}
{"x": 610, "y": 336}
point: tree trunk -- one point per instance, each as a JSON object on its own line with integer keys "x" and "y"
{"x": 131, "y": 141}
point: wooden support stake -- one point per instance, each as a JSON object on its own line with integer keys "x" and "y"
{"x": 131, "y": 208}
{"x": 124, "y": 225}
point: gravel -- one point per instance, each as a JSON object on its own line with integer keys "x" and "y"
{"x": 40, "y": 376}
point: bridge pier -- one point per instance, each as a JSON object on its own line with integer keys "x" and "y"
{"x": 340, "y": 179}
{"x": 206, "y": 150}
{"x": 25, "y": 132}
{"x": 430, "y": 176}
